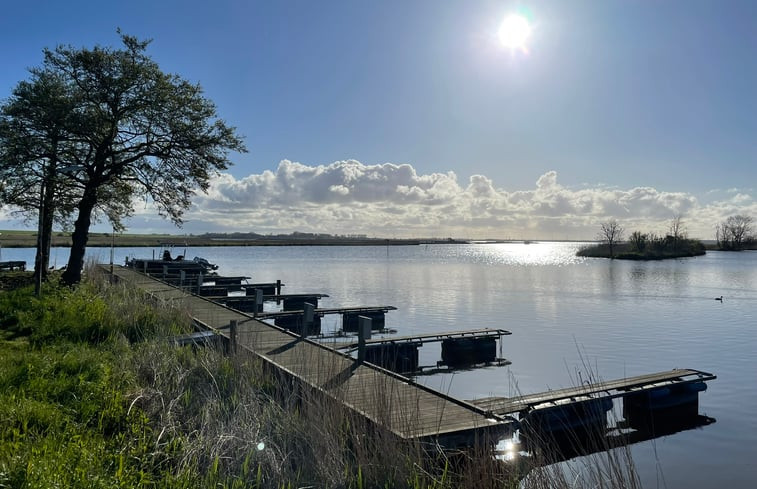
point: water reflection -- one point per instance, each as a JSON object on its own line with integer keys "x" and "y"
{"x": 549, "y": 448}
{"x": 521, "y": 254}
{"x": 627, "y": 317}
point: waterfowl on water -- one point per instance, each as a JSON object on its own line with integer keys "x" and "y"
{"x": 719, "y": 298}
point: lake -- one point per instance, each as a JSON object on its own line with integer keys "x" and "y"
{"x": 571, "y": 318}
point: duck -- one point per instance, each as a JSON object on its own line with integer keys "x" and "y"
{"x": 719, "y": 298}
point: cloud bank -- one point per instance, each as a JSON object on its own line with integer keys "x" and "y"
{"x": 348, "y": 197}
{"x": 390, "y": 200}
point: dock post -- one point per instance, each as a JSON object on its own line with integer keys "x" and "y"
{"x": 258, "y": 301}
{"x": 363, "y": 333}
{"x": 200, "y": 279}
{"x": 165, "y": 270}
{"x": 233, "y": 336}
{"x": 278, "y": 291}
{"x": 182, "y": 277}
{"x": 307, "y": 318}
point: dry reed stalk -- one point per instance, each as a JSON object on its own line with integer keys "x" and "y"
{"x": 239, "y": 418}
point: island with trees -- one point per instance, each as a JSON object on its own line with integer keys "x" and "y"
{"x": 736, "y": 233}
{"x": 643, "y": 246}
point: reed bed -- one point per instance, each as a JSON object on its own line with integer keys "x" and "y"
{"x": 92, "y": 394}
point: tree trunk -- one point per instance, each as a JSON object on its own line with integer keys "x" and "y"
{"x": 44, "y": 240}
{"x": 45, "y": 223}
{"x": 47, "y": 237}
{"x": 38, "y": 257}
{"x": 80, "y": 236}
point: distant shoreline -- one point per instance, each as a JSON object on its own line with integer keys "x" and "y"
{"x": 20, "y": 239}
{"x": 28, "y": 239}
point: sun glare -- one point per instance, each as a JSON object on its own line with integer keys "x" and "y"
{"x": 514, "y": 31}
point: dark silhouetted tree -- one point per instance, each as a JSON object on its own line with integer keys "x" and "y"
{"x": 610, "y": 233}
{"x": 33, "y": 147}
{"x": 677, "y": 230}
{"x": 638, "y": 240}
{"x": 134, "y": 131}
{"x": 735, "y": 232}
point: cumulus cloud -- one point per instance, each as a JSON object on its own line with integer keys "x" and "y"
{"x": 395, "y": 200}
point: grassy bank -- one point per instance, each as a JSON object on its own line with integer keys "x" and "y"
{"x": 92, "y": 395}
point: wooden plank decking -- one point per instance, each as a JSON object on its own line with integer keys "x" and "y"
{"x": 611, "y": 389}
{"x": 396, "y": 403}
{"x": 322, "y": 312}
{"x": 429, "y": 338}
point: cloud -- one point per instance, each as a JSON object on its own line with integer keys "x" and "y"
{"x": 347, "y": 197}
{"x": 342, "y": 182}
{"x": 395, "y": 200}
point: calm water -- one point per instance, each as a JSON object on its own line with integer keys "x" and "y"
{"x": 570, "y": 317}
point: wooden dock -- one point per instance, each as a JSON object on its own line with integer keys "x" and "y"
{"x": 268, "y": 297}
{"x": 242, "y": 290}
{"x": 429, "y": 338}
{"x": 399, "y": 405}
{"x": 393, "y": 402}
{"x": 325, "y": 311}
{"x": 609, "y": 389}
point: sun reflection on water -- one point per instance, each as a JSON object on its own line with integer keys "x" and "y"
{"x": 524, "y": 253}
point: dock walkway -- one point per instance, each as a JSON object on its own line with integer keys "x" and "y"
{"x": 608, "y": 389}
{"x": 322, "y": 312}
{"x": 429, "y": 338}
{"x": 393, "y": 402}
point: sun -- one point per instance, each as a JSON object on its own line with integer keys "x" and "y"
{"x": 514, "y": 32}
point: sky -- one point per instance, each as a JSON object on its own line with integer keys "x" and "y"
{"x": 399, "y": 118}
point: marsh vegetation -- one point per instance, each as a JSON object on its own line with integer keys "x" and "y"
{"x": 92, "y": 395}
{"x": 643, "y": 246}
{"x": 646, "y": 247}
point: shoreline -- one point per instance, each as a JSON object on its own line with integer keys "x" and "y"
{"x": 28, "y": 239}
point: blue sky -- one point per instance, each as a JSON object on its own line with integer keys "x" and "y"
{"x": 410, "y": 118}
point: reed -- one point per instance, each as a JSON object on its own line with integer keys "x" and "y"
{"x": 582, "y": 456}
{"x": 92, "y": 395}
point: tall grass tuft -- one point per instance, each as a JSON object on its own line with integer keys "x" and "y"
{"x": 93, "y": 395}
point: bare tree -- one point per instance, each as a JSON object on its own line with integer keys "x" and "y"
{"x": 721, "y": 235}
{"x": 735, "y": 232}
{"x": 677, "y": 230}
{"x": 611, "y": 233}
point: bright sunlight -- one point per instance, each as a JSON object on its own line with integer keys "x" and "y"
{"x": 514, "y": 32}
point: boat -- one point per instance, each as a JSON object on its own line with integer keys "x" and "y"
{"x": 168, "y": 263}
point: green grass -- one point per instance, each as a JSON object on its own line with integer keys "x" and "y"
{"x": 93, "y": 396}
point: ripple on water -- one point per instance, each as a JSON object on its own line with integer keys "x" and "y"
{"x": 568, "y": 315}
